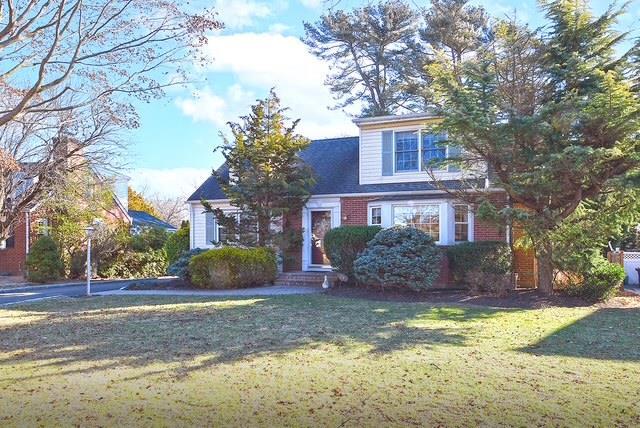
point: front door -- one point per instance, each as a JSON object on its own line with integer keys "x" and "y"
{"x": 320, "y": 225}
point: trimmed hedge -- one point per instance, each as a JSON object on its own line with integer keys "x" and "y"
{"x": 399, "y": 257}
{"x": 44, "y": 262}
{"x": 177, "y": 243}
{"x": 149, "y": 264}
{"x": 483, "y": 257}
{"x": 232, "y": 267}
{"x": 344, "y": 244}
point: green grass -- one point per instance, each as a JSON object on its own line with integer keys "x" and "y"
{"x": 315, "y": 360}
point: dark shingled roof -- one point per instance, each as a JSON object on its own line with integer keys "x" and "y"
{"x": 336, "y": 167}
{"x": 143, "y": 219}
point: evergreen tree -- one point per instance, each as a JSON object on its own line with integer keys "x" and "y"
{"x": 267, "y": 179}
{"x": 556, "y": 115}
{"x": 372, "y": 51}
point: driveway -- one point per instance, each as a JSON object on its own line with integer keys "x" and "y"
{"x": 34, "y": 293}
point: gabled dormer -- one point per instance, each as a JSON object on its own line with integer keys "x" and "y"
{"x": 400, "y": 149}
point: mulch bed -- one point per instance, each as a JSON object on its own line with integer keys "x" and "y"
{"x": 522, "y": 299}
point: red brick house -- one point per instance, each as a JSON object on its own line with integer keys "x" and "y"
{"x": 376, "y": 178}
{"x": 13, "y": 253}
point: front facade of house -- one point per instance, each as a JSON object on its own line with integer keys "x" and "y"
{"x": 376, "y": 178}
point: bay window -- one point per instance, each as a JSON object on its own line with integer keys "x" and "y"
{"x": 424, "y": 217}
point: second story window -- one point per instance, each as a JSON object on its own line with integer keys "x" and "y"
{"x": 432, "y": 151}
{"x": 407, "y": 158}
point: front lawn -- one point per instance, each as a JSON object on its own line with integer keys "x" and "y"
{"x": 315, "y": 360}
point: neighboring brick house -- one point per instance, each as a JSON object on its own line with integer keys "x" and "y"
{"x": 376, "y": 178}
{"x": 14, "y": 253}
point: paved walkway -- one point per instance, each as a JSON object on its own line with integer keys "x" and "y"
{"x": 275, "y": 290}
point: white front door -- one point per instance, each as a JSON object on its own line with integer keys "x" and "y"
{"x": 319, "y": 216}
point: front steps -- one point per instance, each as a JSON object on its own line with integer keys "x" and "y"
{"x": 309, "y": 279}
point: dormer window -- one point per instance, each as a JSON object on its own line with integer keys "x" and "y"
{"x": 407, "y": 157}
{"x": 432, "y": 150}
{"x": 418, "y": 150}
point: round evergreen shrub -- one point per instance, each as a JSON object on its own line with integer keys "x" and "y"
{"x": 180, "y": 267}
{"x": 177, "y": 243}
{"x": 600, "y": 283}
{"x": 232, "y": 267}
{"x": 399, "y": 257}
{"x": 344, "y": 244}
{"x": 44, "y": 262}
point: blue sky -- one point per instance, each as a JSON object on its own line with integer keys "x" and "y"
{"x": 172, "y": 151}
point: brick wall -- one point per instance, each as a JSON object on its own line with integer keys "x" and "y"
{"x": 12, "y": 260}
{"x": 354, "y": 211}
{"x": 293, "y": 257}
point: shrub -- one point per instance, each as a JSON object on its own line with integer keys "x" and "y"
{"x": 180, "y": 267}
{"x": 344, "y": 244}
{"x": 602, "y": 282}
{"x": 483, "y": 266}
{"x": 177, "y": 244}
{"x": 399, "y": 257}
{"x": 149, "y": 238}
{"x": 44, "y": 262}
{"x": 232, "y": 267}
{"x": 148, "y": 264}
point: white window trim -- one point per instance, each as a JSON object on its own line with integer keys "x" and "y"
{"x": 370, "y": 214}
{"x": 446, "y": 219}
{"x": 420, "y": 153}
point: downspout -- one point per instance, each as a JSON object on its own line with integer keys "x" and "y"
{"x": 514, "y": 275}
{"x": 27, "y": 232}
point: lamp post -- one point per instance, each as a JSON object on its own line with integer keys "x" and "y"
{"x": 89, "y": 231}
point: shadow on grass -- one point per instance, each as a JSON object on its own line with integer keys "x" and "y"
{"x": 606, "y": 334}
{"x": 136, "y": 332}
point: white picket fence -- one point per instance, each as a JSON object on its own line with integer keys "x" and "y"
{"x": 631, "y": 263}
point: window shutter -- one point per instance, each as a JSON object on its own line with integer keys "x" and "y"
{"x": 387, "y": 153}
{"x": 210, "y": 226}
{"x": 454, "y": 152}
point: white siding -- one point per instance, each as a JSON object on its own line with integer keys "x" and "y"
{"x": 371, "y": 160}
{"x": 198, "y": 224}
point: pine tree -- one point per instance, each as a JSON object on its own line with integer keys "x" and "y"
{"x": 556, "y": 115}
{"x": 267, "y": 178}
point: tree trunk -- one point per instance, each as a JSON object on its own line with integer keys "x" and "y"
{"x": 545, "y": 267}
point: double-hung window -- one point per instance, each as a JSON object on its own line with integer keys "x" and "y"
{"x": 461, "y": 220}
{"x": 376, "y": 216}
{"x": 423, "y": 217}
{"x": 418, "y": 150}
{"x": 433, "y": 151}
{"x": 407, "y": 151}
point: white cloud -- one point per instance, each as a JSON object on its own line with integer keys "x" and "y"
{"x": 278, "y": 28}
{"x": 260, "y": 61}
{"x": 206, "y": 106}
{"x": 237, "y": 14}
{"x": 172, "y": 182}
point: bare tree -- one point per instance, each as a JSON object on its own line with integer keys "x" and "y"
{"x": 91, "y": 49}
{"x": 38, "y": 154}
{"x": 173, "y": 210}
{"x": 69, "y": 71}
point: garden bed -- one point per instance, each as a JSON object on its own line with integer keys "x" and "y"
{"x": 525, "y": 299}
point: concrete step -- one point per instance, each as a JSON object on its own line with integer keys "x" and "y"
{"x": 312, "y": 279}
